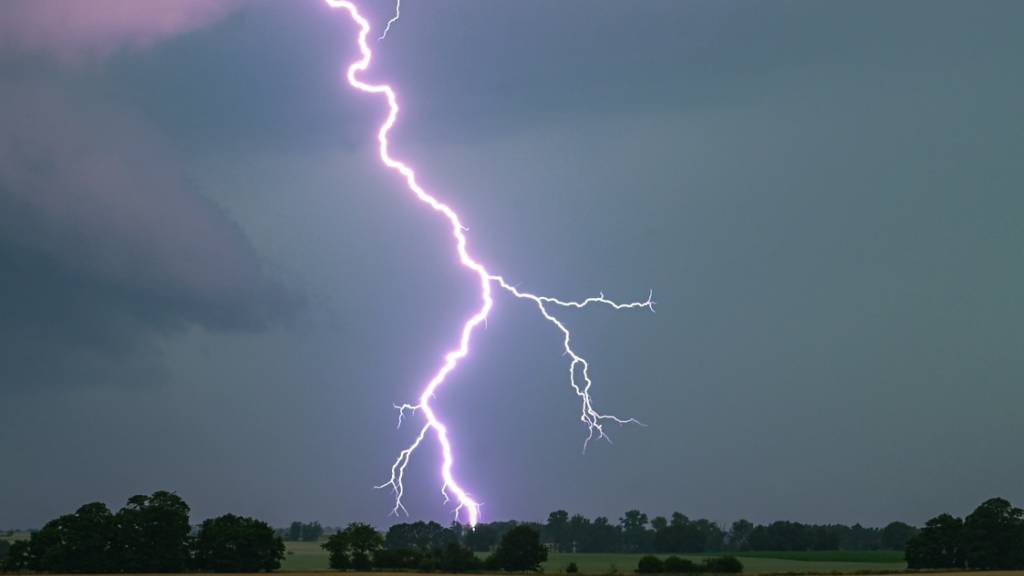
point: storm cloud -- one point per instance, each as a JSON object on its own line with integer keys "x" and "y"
{"x": 77, "y": 31}
{"x": 823, "y": 196}
{"x": 103, "y": 237}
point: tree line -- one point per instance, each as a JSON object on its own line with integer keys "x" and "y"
{"x": 302, "y": 532}
{"x": 990, "y": 538}
{"x": 153, "y": 534}
{"x": 635, "y": 532}
{"x": 430, "y": 547}
{"x": 149, "y": 534}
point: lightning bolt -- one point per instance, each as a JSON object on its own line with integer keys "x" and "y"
{"x": 387, "y": 27}
{"x": 579, "y": 368}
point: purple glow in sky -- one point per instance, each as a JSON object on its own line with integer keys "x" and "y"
{"x": 593, "y": 419}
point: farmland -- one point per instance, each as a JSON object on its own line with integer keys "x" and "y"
{"x": 303, "y": 556}
{"x": 760, "y": 562}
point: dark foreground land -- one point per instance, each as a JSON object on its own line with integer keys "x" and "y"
{"x": 335, "y": 573}
{"x": 308, "y": 556}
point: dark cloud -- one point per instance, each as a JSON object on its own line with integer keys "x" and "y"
{"x": 77, "y": 31}
{"x": 102, "y": 237}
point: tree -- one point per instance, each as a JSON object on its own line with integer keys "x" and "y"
{"x": 237, "y": 544}
{"x": 708, "y": 535}
{"x": 896, "y": 535}
{"x": 152, "y": 534}
{"x": 482, "y": 538}
{"x": 635, "y": 536}
{"x": 520, "y": 550}
{"x": 604, "y": 537}
{"x": 937, "y": 545}
{"x": 18, "y": 557}
{"x": 90, "y": 539}
{"x": 858, "y": 537}
{"x": 354, "y": 547}
{"x": 422, "y": 536}
{"x": 993, "y": 536}
{"x": 403, "y": 559}
{"x": 79, "y": 542}
{"x": 300, "y": 532}
{"x": 739, "y": 534}
{"x": 455, "y": 558}
{"x": 579, "y": 532}
{"x": 557, "y": 530}
{"x": 312, "y": 532}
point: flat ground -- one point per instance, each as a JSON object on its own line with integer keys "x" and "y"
{"x": 304, "y": 556}
{"x": 759, "y": 562}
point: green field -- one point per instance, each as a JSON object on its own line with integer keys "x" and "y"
{"x": 870, "y": 556}
{"x": 304, "y": 556}
{"x": 753, "y": 562}
{"x": 309, "y": 556}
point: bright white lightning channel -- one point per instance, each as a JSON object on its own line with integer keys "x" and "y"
{"x": 579, "y": 368}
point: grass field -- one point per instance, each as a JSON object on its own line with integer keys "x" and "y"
{"x": 304, "y": 556}
{"x": 309, "y": 557}
{"x": 759, "y": 562}
{"x": 873, "y": 556}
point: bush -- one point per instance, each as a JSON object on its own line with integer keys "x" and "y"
{"x": 572, "y": 568}
{"x": 650, "y": 565}
{"x": 723, "y": 565}
{"x": 677, "y": 565}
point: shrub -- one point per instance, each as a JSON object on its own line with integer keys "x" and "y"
{"x": 650, "y": 565}
{"x": 677, "y": 565}
{"x": 572, "y": 568}
{"x": 723, "y": 565}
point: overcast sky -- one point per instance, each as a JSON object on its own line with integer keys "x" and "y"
{"x": 210, "y": 285}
